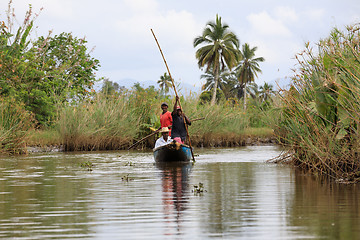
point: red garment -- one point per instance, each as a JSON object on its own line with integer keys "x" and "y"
{"x": 166, "y": 120}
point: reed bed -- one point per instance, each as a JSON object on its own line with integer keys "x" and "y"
{"x": 103, "y": 123}
{"x": 117, "y": 121}
{"x": 223, "y": 125}
{"x": 111, "y": 122}
{"x": 15, "y": 123}
{"x": 321, "y": 113}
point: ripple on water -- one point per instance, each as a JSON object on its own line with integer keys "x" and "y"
{"x": 127, "y": 196}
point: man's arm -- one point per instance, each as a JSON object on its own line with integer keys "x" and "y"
{"x": 175, "y": 104}
{"x": 188, "y": 122}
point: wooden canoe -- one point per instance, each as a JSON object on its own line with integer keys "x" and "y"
{"x": 172, "y": 152}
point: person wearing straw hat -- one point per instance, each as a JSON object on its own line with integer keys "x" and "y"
{"x": 178, "y": 128}
{"x": 164, "y": 139}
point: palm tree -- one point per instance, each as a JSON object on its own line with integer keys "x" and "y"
{"x": 223, "y": 81}
{"x": 253, "y": 90}
{"x": 248, "y": 67}
{"x": 219, "y": 50}
{"x": 266, "y": 91}
{"x": 165, "y": 83}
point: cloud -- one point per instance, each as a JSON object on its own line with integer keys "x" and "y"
{"x": 314, "y": 14}
{"x": 264, "y": 24}
{"x": 172, "y": 26}
{"x": 141, "y": 6}
{"x": 286, "y": 14}
{"x": 174, "y": 30}
{"x": 120, "y": 30}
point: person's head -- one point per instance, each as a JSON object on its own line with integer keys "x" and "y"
{"x": 178, "y": 110}
{"x": 164, "y": 106}
{"x": 165, "y": 133}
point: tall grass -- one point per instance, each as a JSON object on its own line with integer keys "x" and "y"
{"x": 102, "y": 123}
{"x": 321, "y": 113}
{"x": 117, "y": 121}
{"x": 15, "y": 123}
{"x": 223, "y": 124}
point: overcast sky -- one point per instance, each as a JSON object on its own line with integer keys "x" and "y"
{"x": 120, "y": 31}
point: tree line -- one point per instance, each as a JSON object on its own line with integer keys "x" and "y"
{"x": 229, "y": 72}
{"x": 45, "y": 73}
{"x": 48, "y": 72}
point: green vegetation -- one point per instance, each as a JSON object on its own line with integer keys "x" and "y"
{"x": 44, "y": 73}
{"x": 88, "y": 165}
{"x": 47, "y": 96}
{"x": 320, "y": 118}
{"x": 47, "y": 99}
{"x": 220, "y": 50}
{"x": 199, "y": 189}
{"x": 165, "y": 83}
{"x": 43, "y": 138}
{"x": 107, "y": 122}
{"x": 15, "y": 123}
{"x": 248, "y": 68}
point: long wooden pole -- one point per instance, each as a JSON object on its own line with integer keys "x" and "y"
{"x": 197, "y": 119}
{"x": 172, "y": 80}
{"x": 152, "y": 134}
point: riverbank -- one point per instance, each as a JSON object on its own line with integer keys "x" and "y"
{"x": 197, "y": 143}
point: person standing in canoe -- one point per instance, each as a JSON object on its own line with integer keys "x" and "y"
{"x": 165, "y": 117}
{"x": 178, "y": 126}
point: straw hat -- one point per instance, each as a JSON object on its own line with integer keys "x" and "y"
{"x": 164, "y": 129}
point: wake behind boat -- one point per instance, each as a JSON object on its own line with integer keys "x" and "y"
{"x": 172, "y": 152}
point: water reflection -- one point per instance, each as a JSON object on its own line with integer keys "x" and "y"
{"x": 51, "y": 196}
{"x": 175, "y": 193}
{"x": 36, "y": 198}
{"x": 328, "y": 209}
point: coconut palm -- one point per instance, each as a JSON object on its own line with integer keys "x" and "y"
{"x": 219, "y": 49}
{"x": 253, "y": 90}
{"x": 266, "y": 91}
{"x": 239, "y": 91}
{"x": 165, "y": 83}
{"x": 210, "y": 80}
{"x": 248, "y": 67}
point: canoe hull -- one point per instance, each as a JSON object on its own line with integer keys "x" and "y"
{"x": 172, "y": 152}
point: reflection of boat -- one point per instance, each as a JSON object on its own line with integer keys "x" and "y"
{"x": 175, "y": 183}
{"x": 172, "y": 152}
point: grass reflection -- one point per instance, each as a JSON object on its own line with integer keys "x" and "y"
{"x": 327, "y": 209}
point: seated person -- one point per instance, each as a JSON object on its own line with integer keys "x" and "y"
{"x": 164, "y": 139}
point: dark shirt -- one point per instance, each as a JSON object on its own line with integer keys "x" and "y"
{"x": 178, "y": 127}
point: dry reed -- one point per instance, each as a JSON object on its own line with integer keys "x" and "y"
{"x": 321, "y": 113}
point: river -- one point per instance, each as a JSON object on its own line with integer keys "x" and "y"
{"x": 228, "y": 193}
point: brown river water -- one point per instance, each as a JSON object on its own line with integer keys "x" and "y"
{"x": 127, "y": 196}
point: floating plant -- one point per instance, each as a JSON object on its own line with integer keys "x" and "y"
{"x": 199, "y": 188}
{"x": 126, "y": 178}
{"x": 129, "y": 164}
{"x": 87, "y": 165}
